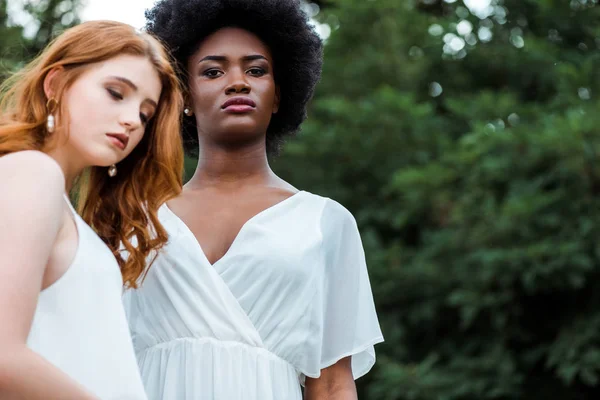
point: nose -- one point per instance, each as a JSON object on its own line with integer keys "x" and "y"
{"x": 130, "y": 118}
{"x": 237, "y": 83}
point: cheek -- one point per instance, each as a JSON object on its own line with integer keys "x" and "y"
{"x": 268, "y": 98}
{"x": 268, "y": 90}
{"x": 136, "y": 137}
{"x": 85, "y": 108}
{"x": 201, "y": 102}
{"x": 203, "y": 95}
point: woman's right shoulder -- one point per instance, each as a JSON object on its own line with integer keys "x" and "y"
{"x": 31, "y": 178}
{"x": 31, "y": 163}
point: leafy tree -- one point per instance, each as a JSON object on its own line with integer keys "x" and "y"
{"x": 465, "y": 141}
{"x": 41, "y": 20}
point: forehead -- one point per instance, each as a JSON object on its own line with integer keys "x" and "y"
{"x": 137, "y": 69}
{"x": 231, "y": 41}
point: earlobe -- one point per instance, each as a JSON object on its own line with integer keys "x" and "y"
{"x": 277, "y": 100}
{"x": 188, "y": 109}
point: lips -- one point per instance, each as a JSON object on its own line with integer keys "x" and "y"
{"x": 119, "y": 139}
{"x": 239, "y": 104}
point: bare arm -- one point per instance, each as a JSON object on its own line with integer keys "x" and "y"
{"x": 335, "y": 383}
{"x": 31, "y": 206}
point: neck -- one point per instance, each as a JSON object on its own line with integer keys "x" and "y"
{"x": 70, "y": 166}
{"x": 231, "y": 168}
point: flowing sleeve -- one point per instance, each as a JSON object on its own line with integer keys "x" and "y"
{"x": 350, "y": 326}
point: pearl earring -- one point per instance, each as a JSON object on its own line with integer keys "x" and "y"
{"x": 51, "y": 105}
{"x": 188, "y": 111}
{"x": 112, "y": 171}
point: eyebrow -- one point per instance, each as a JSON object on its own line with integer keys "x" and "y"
{"x": 251, "y": 57}
{"x": 132, "y": 86}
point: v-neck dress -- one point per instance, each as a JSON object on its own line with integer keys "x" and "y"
{"x": 290, "y": 297}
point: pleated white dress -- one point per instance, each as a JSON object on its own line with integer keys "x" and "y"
{"x": 79, "y": 323}
{"x": 290, "y": 297}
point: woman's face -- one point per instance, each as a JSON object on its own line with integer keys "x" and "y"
{"x": 109, "y": 106}
{"x": 232, "y": 89}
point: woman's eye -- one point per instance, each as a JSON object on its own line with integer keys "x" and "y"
{"x": 114, "y": 94}
{"x": 257, "y": 71}
{"x": 212, "y": 73}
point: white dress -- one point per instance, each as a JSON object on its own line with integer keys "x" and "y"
{"x": 79, "y": 324}
{"x": 290, "y": 297}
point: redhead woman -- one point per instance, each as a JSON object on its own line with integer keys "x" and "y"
{"x": 100, "y": 106}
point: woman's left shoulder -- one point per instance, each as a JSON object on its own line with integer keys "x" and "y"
{"x": 331, "y": 210}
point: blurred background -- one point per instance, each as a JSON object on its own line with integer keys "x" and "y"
{"x": 464, "y": 137}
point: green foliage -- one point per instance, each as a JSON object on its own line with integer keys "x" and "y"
{"x": 478, "y": 206}
{"x": 45, "y": 19}
{"x": 470, "y": 161}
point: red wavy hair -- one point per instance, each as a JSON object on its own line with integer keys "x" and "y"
{"x": 123, "y": 209}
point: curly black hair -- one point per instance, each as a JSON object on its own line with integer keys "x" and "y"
{"x": 281, "y": 24}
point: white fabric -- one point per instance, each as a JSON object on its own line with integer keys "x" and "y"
{"x": 289, "y": 298}
{"x": 79, "y": 323}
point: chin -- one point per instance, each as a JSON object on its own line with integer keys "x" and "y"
{"x": 247, "y": 128}
{"x": 233, "y": 135}
{"x": 238, "y": 139}
{"x": 104, "y": 158}
{"x": 96, "y": 153}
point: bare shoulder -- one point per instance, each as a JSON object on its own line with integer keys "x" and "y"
{"x": 24, "y": 163}
{"x": 31, "y": 178}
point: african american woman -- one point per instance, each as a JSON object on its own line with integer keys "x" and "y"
{"x": 262, "y": 287}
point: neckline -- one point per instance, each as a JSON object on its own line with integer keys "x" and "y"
{"x": 240, "y": 232}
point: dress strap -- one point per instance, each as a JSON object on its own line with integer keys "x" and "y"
{"x": 68, "y": 201}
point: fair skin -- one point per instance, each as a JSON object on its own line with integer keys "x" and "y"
{"x": 38, "y": 237}
{"x": 233, "y": 180}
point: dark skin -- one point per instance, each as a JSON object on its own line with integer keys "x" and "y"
{"x": 233, "y": 180}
